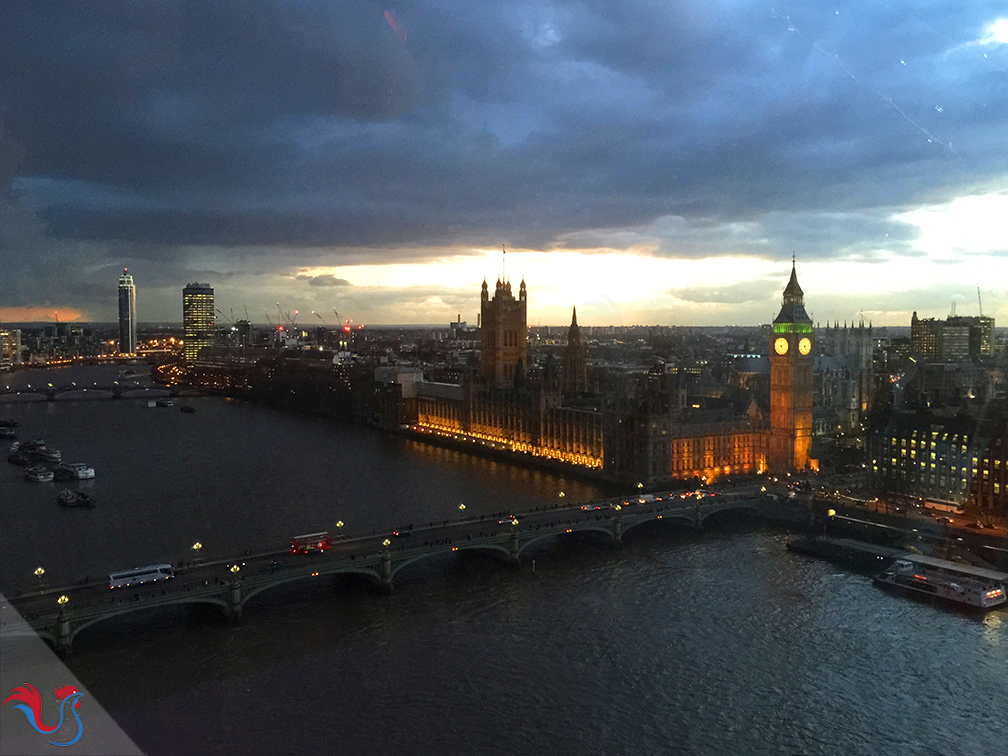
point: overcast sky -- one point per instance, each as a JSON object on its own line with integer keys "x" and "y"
{"x": 649, "y": 162}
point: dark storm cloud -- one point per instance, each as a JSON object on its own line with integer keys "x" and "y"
{"x": 171, "y": 128}
{"x": 324, "y": 280}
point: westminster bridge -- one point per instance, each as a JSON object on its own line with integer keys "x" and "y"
{"x": 59, "y": 614}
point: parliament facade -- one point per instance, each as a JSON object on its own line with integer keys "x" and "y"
{"x": 647, "y": 435}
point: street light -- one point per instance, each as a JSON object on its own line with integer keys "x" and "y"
{"x": 235, "y": 568}
{"x": 339, "y": 524}
{"x": 386, "y": 543}
{"x": 196, "y": 547}
{"x": 461, "y": 507}
{"x": 62, "y": 600}
{"x": 829, "y": 513}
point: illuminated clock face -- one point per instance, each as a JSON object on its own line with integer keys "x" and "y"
{"x": 804, "y": 346}
{"x": 780, "y": 346}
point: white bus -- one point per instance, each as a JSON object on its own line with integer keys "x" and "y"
{"x": 139, "y": 575}
{"x": 942, "y": 505}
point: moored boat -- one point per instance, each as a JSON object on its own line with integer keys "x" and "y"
{"x": 73, "y": 471}
{"x": 19, "y": 458}
{"x": 70, "y": 498}
{"x": 960, "y": 584}
{"x": 38, "y": 474}
{"x": 49, "y": 455}
{"x": 164, "y": 403}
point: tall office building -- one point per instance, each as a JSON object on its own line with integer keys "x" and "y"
{"x": 10, "y": 347}
{"x": 197, "y": 319}
{"x": 127, "y": 314}
{"x": 791, "y": 382}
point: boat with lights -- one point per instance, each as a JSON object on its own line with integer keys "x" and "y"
{"x": 960, "y": 584}
{"x": 38, "y": 474}
{"x": 73, "y": 471}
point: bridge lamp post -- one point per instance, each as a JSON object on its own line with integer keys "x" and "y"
{"x": 196, "y": 548}
{"x": 829, "y": 513}
{"x": 235, "y": 568}
{"x": 39, "y": 572}
{"x": 62, "y": 600}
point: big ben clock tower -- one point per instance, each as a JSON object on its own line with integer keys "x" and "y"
{"x": 791, "y": 382}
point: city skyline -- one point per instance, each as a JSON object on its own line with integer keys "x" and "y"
{"x": 648, "y": 165}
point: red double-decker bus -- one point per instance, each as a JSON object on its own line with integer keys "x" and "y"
{"x": 304, "y": 544}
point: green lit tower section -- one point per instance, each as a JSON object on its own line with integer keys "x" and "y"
{"x": 791, "y": 344}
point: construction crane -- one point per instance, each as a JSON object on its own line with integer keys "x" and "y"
{"x": 320, "y": 318}
{"x": 979, "y": 302}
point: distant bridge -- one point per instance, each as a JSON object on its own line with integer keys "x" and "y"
{"x": 72, "y": 392}
{"x": 231, "y": 583}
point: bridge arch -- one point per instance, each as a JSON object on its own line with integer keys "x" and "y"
{"x": 492, "y": 547}
{"x": 607, "y": 532}
{"x": 176, "y": 601}
{"x": 370, "y": 574}
{"x": 752, "y": 504}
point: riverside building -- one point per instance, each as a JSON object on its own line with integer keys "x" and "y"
{"x": 647, "y": 435}
{"x": 197, "y": 319}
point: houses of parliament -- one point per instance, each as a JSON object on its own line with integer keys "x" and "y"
{"x": 646, "y": 434}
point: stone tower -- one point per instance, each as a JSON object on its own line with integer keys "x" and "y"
{"x": 504, "y": 334}
{"x": 575, "y": 361}
{"x": 791, "y": 382}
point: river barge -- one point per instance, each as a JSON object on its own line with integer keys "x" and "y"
{"x": 963, "y": 585}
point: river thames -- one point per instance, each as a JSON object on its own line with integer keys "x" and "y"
{"x": 680, "y": 642}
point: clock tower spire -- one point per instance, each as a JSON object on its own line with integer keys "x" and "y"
{"x": 791, "y": 342}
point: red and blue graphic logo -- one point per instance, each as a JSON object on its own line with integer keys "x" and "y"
{"x": 31, "y": 706}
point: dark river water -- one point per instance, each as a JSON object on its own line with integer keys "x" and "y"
{"x": 718, "y": 642}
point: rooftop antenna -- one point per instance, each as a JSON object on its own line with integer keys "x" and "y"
{"x": 503, "y": 264}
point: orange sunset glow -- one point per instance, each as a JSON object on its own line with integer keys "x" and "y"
{"x": 41, "y": 314}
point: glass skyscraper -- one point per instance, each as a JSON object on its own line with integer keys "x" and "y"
{"x": 197, "y": 318}
{"x": 127, "y": 314}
